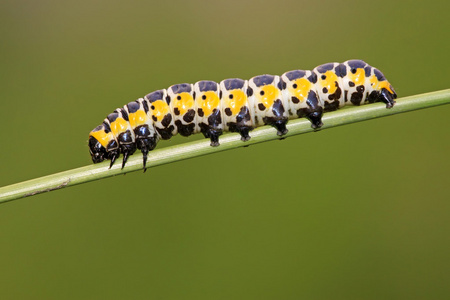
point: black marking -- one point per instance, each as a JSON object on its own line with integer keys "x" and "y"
{"x": 351, "y": 84}
{"x": 189, "y": 116}
{"x": 204, "y": 97}
{"x": 296, "y": 74}
{"x": 368, "y": 70}
{"x": 106, "y": 127}
{"x": 324, "y": 90}
{"x": 228, "y": 111}
{"x": 373, "y": 97}
{"x": 98, "y": 128}
{"x": 312, "y": 78}
{"x": 154, "y": 119}
{"x": 379, "y": 75}
{"x": 249, "y": 92}
{"x": 155, "y": 96}
{"x": 261, "y": 106}
{"x": 185, "y": 130}
{"x": 295, "y": 100}
{"x": 165, "y": 133}
{"x": 168, "y": 99}
{"x": 200, "y": 112}
{"x": 357, "y": 96}
{"x": 233, "y": 84}
{"x": 145, "y": 105}
{"x": 313, "y": 100}
{"x": 280, "y": 85}
{"x": 215, "y": 119}
{"x": 278, "y": 108}
{"x": 181, "y": 88}
{"x": 341, "y": 70}
{"x": 133, "y": 107}
{"x": 112, "y": 117}
{"x": 176, "y": 111}
{"x": 262, "y": 80}
{"x": 166, "y": 120}
{"x": 356, "y": 64}
{"x": 243, "y": 116}
{"x": 331, "y": 106}
{"x": 207, "y": 85}
{"x": 124, "y": 115}
{"x": 324, "y": 68}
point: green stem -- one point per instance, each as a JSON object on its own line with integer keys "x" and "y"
{"x": 227, "y": 141}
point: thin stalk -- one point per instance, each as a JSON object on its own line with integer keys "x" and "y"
{"x": 227, "y": 141}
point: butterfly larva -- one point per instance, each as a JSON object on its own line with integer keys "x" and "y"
{"x": 236, "y": 105}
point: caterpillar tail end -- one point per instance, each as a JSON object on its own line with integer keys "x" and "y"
{"x": 388, "y": 98}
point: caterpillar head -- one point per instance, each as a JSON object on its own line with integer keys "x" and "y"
{"x": 103, "y": 145}
{"x": 98, "y": 152}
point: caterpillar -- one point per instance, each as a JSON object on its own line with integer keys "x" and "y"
{"x": 236, "y": 105}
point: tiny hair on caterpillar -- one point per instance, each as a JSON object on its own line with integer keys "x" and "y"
{"x": 236, "y": 105}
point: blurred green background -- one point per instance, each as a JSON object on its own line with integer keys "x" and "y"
{"x": 355, "y": 212}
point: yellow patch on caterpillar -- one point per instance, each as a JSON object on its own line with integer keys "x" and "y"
{"x": 239, "y": 100}
{"x": 102, "y": 137}
{"x": 137, "y": 118}
{"x": 379, "y": 85}
{"x": 302, "y": 90}
{"x": 269, "y": 96}
{"x": 119, "y": 126}
{"x": 184, "y": 102}
{"x": 160, "y": 110}
{"x": 208, "y": 104}
{"x": 329, "y": 82}
{"x": 359, "y": 77}
{"x": 385, "y": 85}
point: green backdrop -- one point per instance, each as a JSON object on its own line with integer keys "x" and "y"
{"x": 354, "y": 212}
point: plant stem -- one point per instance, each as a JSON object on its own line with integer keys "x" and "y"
{"x": 227, "y": 141}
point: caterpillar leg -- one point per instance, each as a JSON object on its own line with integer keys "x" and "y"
{"x": 244, "y": 132}
{"x": 113, "y": 155}
{"x": 211, "y": 133}
{"x": 280, "y": 125}
{"x": 127, "y": 146}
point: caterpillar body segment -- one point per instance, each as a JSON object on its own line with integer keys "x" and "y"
{"x": 329, "y": 85}
{"x": 303, "y": 101}
{"x": 237, "y": 108}
{"x": 161, "y": 113}
{"x": 182, "y": 105}
{"x": 236, "y": 105}
{"x": 140, "y": 118}
{"x": 209, "y": 110}
{"x": 270, "y": 107}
